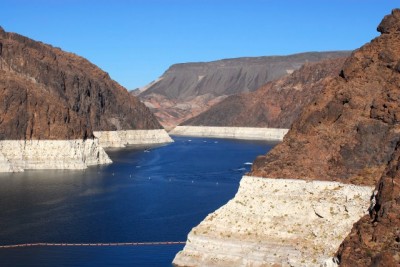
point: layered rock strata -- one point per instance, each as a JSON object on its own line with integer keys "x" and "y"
{"x": 349, "y": 133}
{"x": 277, "y": 221}
{"x": 350, "y": 130}
{"x": 20, "y": 155}
{"x": 52, "y": 101}
{"x": 247, "y": 133}
{"x": 55, "y": 95}
{"x": 132, "y": 137}
{"x": 186, "y": 90}
{"x": 274, "y": 105}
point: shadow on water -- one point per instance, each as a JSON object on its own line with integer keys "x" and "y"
{"x": 147, "y": 194}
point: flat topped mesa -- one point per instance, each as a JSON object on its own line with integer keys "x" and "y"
{"x": 51, "y": 95}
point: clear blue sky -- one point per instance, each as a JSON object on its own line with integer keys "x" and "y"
{"x": 136, "y": 41}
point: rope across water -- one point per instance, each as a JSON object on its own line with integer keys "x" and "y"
{"x": 93, "y": 244}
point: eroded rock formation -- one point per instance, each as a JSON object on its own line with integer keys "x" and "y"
{"x": 375, "y": 239}
{"x": 185, "y": 90}
{"x": 349, "y": 133}
{"x": 287, "y": 222}
{"x": 276, "y": 104}
{"x": 350, "y": 130}
{"x": 52, "y": 101}
{"x": 51, "y": 94}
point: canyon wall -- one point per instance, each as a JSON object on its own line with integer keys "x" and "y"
{"x": 188, "y": 89}
{"x": 55, "y": 95}
{"x": 53, "y": 101}
{"x": 274, "y": 105}
{"x": 350, "y": 134}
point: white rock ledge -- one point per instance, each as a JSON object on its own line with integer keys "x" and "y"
{"x": 247, "y": 133}
{"x": 287, "y": 222}
{"x": 20, "y": 155}
{"x": 132, "y": 137}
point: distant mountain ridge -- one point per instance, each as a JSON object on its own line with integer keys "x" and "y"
{"x": 188, "y": 89}
{"x": 276, "y": 104}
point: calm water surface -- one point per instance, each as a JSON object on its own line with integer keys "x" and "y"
{"x": 155, "y": 195}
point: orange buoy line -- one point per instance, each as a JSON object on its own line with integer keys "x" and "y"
{"x": 93, "y": 244}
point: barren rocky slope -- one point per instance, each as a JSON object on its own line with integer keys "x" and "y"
{"x": 351, "y": 133}
{"x": 51, "y": 94}
{"x": 276, "y": 104}
{"x": 186, "y": 90}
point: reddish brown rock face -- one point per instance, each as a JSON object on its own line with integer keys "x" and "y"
{"x": 186, "y": 90}
{"x": 50, "y": 94}
{"x": 375, "y": 239}
{"x": 351, "y": 133}
{"x": 350, "y": 130}
{"x": 276, "y": 104}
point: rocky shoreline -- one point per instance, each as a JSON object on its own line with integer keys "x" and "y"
{"x": 132, "y": 137}
{"x": 20, "y": 155}
{"x": 277, "y": 221}
{"x": 246, "y": 133}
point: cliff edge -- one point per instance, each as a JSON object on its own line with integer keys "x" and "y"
{"x": 51, "y": 94}
{"x": 53, "y": 101}
{"x": 351, "y": 133}
{"x": 348, "y": 137}
{"x": 350, "y": 130}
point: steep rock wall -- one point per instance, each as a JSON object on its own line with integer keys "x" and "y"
{"x": 350, "y": 133}
{"x": 50, "y": 94}
{"x": 274, "y": 105}
{"x": 186, "y": 90}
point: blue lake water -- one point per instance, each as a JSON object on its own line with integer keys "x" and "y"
{"x": 144, "y": 196}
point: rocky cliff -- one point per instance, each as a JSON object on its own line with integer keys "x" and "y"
{"x": 59, "y": 99}
{"x": 350, "y": 130}
{"x": 349, "y": 133}
{"x": 51, "y": 94}
{"x": 186, "y": 90}
{"x": 276, "y": 104}
{"x": 375, "y": 239}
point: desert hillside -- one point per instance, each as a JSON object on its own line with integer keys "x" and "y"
{"x": 51, "y": 94}
{"x": 351, "y": 133}
{"x": 276, "y": 104}
{"x": 186, "y": 90}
